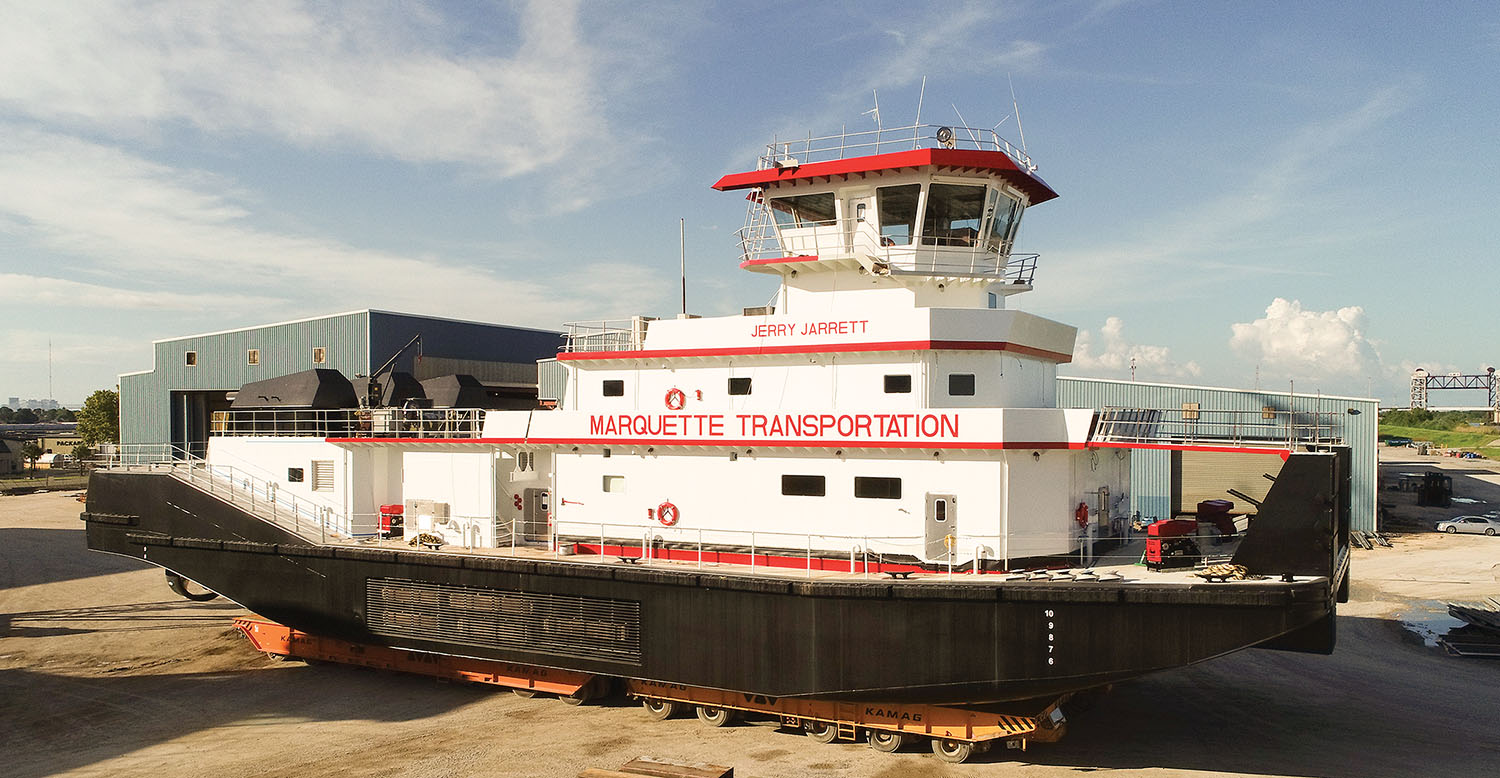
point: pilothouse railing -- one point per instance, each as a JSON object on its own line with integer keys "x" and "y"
{"x": 951, "y": 255}
{"x": 826, "y": 148}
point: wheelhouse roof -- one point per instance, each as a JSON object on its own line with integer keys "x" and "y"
{"x": 1037, "y": 190}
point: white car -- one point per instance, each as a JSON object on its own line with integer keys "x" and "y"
{"x": 1474, "y": 525}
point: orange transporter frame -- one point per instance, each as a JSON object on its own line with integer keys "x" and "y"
{"x": 955, "y": 732}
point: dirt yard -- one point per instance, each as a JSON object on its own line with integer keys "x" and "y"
{"x": 103, "y": 671}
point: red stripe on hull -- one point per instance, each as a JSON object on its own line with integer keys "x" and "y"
{"x": 821, "y": 348}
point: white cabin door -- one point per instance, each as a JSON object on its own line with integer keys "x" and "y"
{"x": 860, "y": 234}
{"x": 942, "y": 525}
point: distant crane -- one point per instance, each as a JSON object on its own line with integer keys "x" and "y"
{"x": 1422, "y": 381}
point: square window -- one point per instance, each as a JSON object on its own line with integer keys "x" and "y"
{"x": 614, "y": 388}
{"x": 961, "y": 384}
{"x": 877, "y": 488}
{"x": 320, "y": 355}
{"x": 613, "y": 484}
{"x": 294, "y": 475}
{"x": 739, "y": 386}
{"x": 804, "y": 485}
{"x": 190, "y": 358}
{"x": 252, "y": 357}
{"x": 898, "y": 384}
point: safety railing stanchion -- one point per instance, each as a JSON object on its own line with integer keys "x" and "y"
{"x": 700, "y": 548}
{"x": 752, "y": 551}
{"x": 601, "y": 542}
{"x": 809, "y": 555}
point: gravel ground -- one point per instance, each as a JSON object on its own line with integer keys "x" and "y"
{"x": 103, "y": 671}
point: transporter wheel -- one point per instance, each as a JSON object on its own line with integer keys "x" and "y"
{"x": 821, "y": 731}
{"x": 717, "y": 717}
{"x": 952, "y": 751}
{"x": 1451, "y": 530}
{"x": 887, "y": 741}
{"x": 660, "y": 709}
{"x": 524, "y": 694}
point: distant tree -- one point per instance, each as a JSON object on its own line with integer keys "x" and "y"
{"x": 82, "y": 453}
{"x": 99, "y": 420}
{"x": 25, "y": 416}
{"x": 7, "y": 414}
{"x": 32, "y": 452}
{"x": 58, "y": 414}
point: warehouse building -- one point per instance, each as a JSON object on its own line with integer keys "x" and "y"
{"x": 193, "y": 376}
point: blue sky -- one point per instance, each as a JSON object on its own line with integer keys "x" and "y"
{"x": 1266, "y": 192}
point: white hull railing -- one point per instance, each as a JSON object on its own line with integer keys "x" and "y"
{"x": 260, "y": 497}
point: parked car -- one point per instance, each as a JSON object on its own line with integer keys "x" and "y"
{"x": 1474, "y": 525}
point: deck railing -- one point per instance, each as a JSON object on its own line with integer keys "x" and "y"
{"x": 761, "y": 240}
{"x": 373, "y": 423}
{"x": 607, "y": 335}
{"x": 826, "y": 148}
{"x": 1262, "y": 428}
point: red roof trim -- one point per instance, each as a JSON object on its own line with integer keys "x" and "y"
{"x": 778, "y": 260}
{"x": 820, "y": 348}
{"x": 993, "y": 161}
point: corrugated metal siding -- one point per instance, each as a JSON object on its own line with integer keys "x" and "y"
{"x": 1150, "y": 472}
{"x": 457, "y": 340}
{"x": 145, "y": 399}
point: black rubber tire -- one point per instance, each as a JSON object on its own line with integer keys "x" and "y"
{"x": 660, "y": 710}
{"x": 717, "y": 717}
{"x": 886, "y": 741}
{"x": 1451, "y": 530}
{"x": 821, "y": 731}
{"x": 952, "y": 751}
{"x": 524, "y": 694}
{"x": 579, "y": 697}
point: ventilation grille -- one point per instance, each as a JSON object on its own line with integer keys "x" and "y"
{"x": 562, "y": 625}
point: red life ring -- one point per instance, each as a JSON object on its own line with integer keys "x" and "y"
{"x": 667, "y": 514}
{"x": 675, "y": 399}
{"x": 1082, "y": 514}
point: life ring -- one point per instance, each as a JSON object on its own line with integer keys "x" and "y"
{"x": 675, "y": 399}
{"x": 1082, "y": 514}
{"x": 667, "y": 514}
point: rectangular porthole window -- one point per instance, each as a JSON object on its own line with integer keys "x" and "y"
{"x": 739, "y": 386}
{"x": 322, "y": 475}
{"x": 804, "y": 485}
{"x": 190, "y": 358}
{"x": 898, "y": 384}
{"x": 613, "y": 484}
{"x": 252, "y": 356}
{"x": 614, "y": 388}
{"x": 320, "y": 355}
{"x": 961, "y": 385}
{"x": 877, "y": 488}
{"x": 294, "y": 475}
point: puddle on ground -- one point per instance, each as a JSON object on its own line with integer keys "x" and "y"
{"x": 1428, "y": 619}
{"x": 1468, "y": 501}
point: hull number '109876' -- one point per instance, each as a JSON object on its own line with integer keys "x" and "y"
{"x": 1051, "y": 617}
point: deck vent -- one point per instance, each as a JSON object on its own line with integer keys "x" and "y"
{"x": 558, "y": 624}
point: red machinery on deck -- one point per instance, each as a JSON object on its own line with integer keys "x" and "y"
{"x": 1172, "y": 543}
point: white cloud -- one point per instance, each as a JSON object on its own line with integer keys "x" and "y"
{"x": 1297, "y": 341}
{"x": 385, "y": 78}
{"x": 142, "y": 231}
{"x": 1111, "y": 354}
{"x": 31, "y": 290}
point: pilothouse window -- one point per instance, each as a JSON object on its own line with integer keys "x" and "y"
{"x": 954, "y": 214}
{"x": 898, "y": 213}
{"x": 803, "y": 210}
{"x": 1003, "y": 223}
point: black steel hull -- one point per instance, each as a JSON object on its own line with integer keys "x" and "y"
{"x": 919, "y": 641}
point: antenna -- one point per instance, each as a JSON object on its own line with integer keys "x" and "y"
{"x": 682, "y": 240}
{"x": 965, "y": 123}
{"x": 920, "y": 96}
{"x": 1016, "y": 107}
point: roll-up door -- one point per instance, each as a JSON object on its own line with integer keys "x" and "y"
{"x": 1209, "y": 475}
